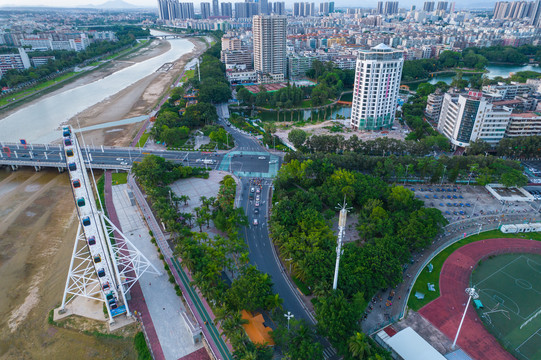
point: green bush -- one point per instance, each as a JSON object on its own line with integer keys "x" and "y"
{"x": 171, "y": 279}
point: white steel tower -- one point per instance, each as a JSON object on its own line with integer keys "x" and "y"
{"x": 375, "y": 91}
{"x": 104, "y": 264}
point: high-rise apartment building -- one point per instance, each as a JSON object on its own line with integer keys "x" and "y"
{"x": 269, "y": 37}
{"x": 325, "y": 8}
{"x": 442, "y": 5}
{"x": 215, "y": 8}
{"x": 377, "y": 82}
{"x": 186, "y": 11}
{"x": 304, "y": 9}
{"x": 429, "y": 6}
{"x": 227, "y": 9}
{"x": 264, "y": 7}
{"x": 387, "y": 8}
{"x": 205, "y": 10}
{"x": 246, "y": 9}
{"x": 279, "y": 8}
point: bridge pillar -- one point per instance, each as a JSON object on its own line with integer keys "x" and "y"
{"x": 14, "y": 167}
{"x": 37, "y": 168}
{"x": 61, "y": 169}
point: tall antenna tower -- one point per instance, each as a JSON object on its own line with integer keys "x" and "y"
{"x": 341, "y": 229}
{"x": 104, "y": 264}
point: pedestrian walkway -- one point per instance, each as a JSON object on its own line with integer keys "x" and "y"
{"x": 274, "y": 164}
{"x": 191, "y": 300}
{"x": 163, "y": 304}
{"x": 137, "y": 302}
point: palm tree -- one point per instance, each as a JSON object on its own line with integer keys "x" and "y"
{"x": 189, "y": 218}
{"x": 200, "y": 221}
{"x": 250, "y": 355}
{"x": 203, "y": 199}
{"x": 359, "y": 346}
{"x": 274, "y": 301}
{"x": 184, "y": 198}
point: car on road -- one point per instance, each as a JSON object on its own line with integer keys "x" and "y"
{"x": 257, "y": 203}
{"x": 123, "y": 163}
{"x": 119, "y": 159}
{"x": 256, "y": 211}
{"x": 258, "y": 190}
{"x": 257, "y": 198}
{"x": 273, "y": 161}
{"x": 252, "y": 189}
{"x": 255, "y": 222}
{"x": 261, "y": 158}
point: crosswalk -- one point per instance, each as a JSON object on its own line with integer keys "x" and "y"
{"x": 329, "y": 353}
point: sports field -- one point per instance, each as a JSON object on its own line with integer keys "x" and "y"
{"x": 509, "y": 287}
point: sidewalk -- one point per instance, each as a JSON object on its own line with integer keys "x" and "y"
{"x": 137, "y": 302}
{"x": 164, "y": 305}
{"x": 216, "y": 343}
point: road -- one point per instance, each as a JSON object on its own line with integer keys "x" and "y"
{"x": 260, "y": 246}
{"x": 121, "y": 158}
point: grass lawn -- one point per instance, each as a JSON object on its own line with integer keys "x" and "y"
{"x": 302, "y": 286}
{"x": 434, "y": 277}
{"x": 143, "y": 139}
{"x": 119, "y": 178}
{"x": 36, "y": 88}
{"x": 188, "y": 74}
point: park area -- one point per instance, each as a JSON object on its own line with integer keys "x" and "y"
{"x": 509, "y": 288}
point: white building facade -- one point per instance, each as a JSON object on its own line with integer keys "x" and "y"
{"x": 469, "y": 117}
{"x": 377, "y": 83}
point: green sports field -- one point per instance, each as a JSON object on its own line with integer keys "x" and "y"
{"x": 509, "y": 287}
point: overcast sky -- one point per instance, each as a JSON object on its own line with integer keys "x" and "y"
{"x": 289, "y": 3}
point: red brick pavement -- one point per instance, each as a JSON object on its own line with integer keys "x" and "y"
{"x": 137, "y": 302}
{"x": 446, "y": 311}
{"x": 200, "y": 354}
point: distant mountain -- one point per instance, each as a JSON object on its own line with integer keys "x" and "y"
{"x": 112, "y": 4}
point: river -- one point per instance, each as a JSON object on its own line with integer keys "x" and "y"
{"x": 493, "y": 71}
{"x": 39, "y": 122}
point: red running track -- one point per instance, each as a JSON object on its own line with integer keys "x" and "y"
{"x": 446, "y": 311}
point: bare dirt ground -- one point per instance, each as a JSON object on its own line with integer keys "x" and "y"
{"x": 322, "y": 128}
{"x": 37, "y": 230}
{"x": 153, "y": 49}
{"x": 135, "y": 100}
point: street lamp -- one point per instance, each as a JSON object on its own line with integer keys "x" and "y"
{"x": 471, "y": 294}
{"x": 444, "y": 168}
{"x": 289, "y": 316}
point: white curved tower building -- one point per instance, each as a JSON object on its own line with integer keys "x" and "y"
{"x": 375, "y": 92}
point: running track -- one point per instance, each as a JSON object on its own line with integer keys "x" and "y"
{"x": 446, "y": 311}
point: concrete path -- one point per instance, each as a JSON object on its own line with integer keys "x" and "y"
{"x": 212, "y": 335}
{"x": 164, "y": 305}
{"x": 137, "y": 302}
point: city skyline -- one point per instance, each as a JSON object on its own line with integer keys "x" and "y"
{"x": 460, "y": 4}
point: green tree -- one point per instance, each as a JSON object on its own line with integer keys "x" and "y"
{"x": 297, "y": 137}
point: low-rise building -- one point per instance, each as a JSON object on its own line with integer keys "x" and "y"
{"x": 17, "y": 61}
{"x": 524, "y": 124}
{"x": 297, "y": 66}
{"x": 467, "y": 117}
{"x": 433, "y": 105}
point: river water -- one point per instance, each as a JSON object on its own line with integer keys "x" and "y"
{"x": 494, "y": 71}
{"x": 39, "y": 122}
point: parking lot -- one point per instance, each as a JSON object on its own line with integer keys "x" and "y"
{"x": 466, "y": 201}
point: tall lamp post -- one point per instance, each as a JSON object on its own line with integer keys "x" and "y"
{"x": 341, "y": 228}
{"x": 471, "y": 294}
{"x": 289, "y": 316}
